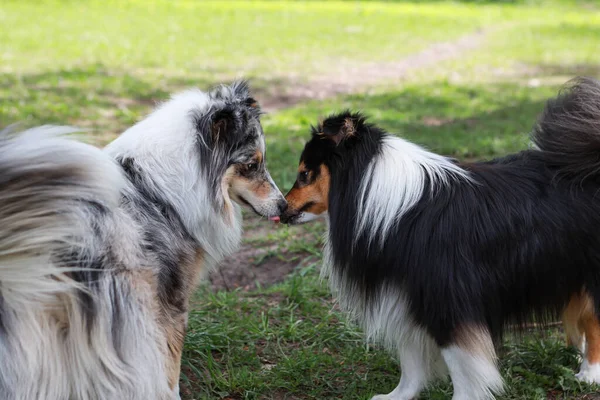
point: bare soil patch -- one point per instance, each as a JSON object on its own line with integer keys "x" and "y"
{"x": 257, "y": 262}
{"x": 246, "y": 270}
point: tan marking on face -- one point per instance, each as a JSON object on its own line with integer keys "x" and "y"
{"x": 262, "y": 190}
{"x": 579, "y": 319}
{"x": 258, "y": 188}
{"x": 225, "y": 185}
{"x": 316, "y": 192}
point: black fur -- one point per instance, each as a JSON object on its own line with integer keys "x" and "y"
{"x": 90, "y": 265}
{"x": 568, "y": 129}
{"x": 92, "y": 269}
{"x": 515, "y": 244}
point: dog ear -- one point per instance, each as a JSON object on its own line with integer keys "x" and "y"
{"x": 340, "y": 128}
{"x": 222, "y": 122}
{"x": 217, "y": 125}
{"x": 252, "y": 103}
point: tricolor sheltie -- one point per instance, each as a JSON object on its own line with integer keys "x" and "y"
{"x": 437, "y": 258}
{"x": 100, "y": 250}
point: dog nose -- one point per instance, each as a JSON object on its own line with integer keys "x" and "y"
{"x": 282, "y": 205}
{"x": 285, "y": 217}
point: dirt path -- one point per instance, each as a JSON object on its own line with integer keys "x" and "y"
{"x": 253, "y": 262}
{"x": 347, "y": 78}
{"x": 260, "y": 260}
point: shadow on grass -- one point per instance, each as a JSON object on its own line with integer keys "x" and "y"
{"x": 104, "y": 100}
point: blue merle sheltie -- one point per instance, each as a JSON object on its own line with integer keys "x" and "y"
{"x": 101, "y": 249}
{"x": 436, "y": 258}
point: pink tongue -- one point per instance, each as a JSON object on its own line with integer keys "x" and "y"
{"x": 275, "y": 218}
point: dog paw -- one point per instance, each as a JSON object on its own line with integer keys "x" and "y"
{"x": 589, "y": 373}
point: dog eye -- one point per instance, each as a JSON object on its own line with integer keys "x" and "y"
{"x": 303, "y": 176}
{"x": 252, "y": 166}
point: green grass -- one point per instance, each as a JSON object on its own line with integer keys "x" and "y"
{"x": 291, "y": 340}
{"x": 98, "y": 63}
{"x": 103, "y": 65}
{"x": 216, "y": 37}
{"x": 558, "y": 46}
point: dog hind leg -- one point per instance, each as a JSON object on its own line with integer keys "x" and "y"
{"x": 471, "y": 360}
{"x": 590, "y": 325}
{"x": 572, "y": 323}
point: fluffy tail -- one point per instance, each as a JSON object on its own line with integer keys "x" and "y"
{"x": 44, "y": 180}
{"x": 568, "y": 131}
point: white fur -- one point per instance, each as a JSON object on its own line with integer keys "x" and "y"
{"x": 307, "y": 217}
{"x": 163, "y": 144}
{"x": 589, "y": 373}
{"x": 176, "y": 394}
{"x": 418, "y": 368}
{"x": 395, "y": 181}
{"x": 474, "y": 376}
{"x": 388, "y": 322}
{"x": 581, "y": 345}
{"x": 47, "y": 361}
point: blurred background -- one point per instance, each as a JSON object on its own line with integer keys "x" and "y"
{"x": 463, "y": 78}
